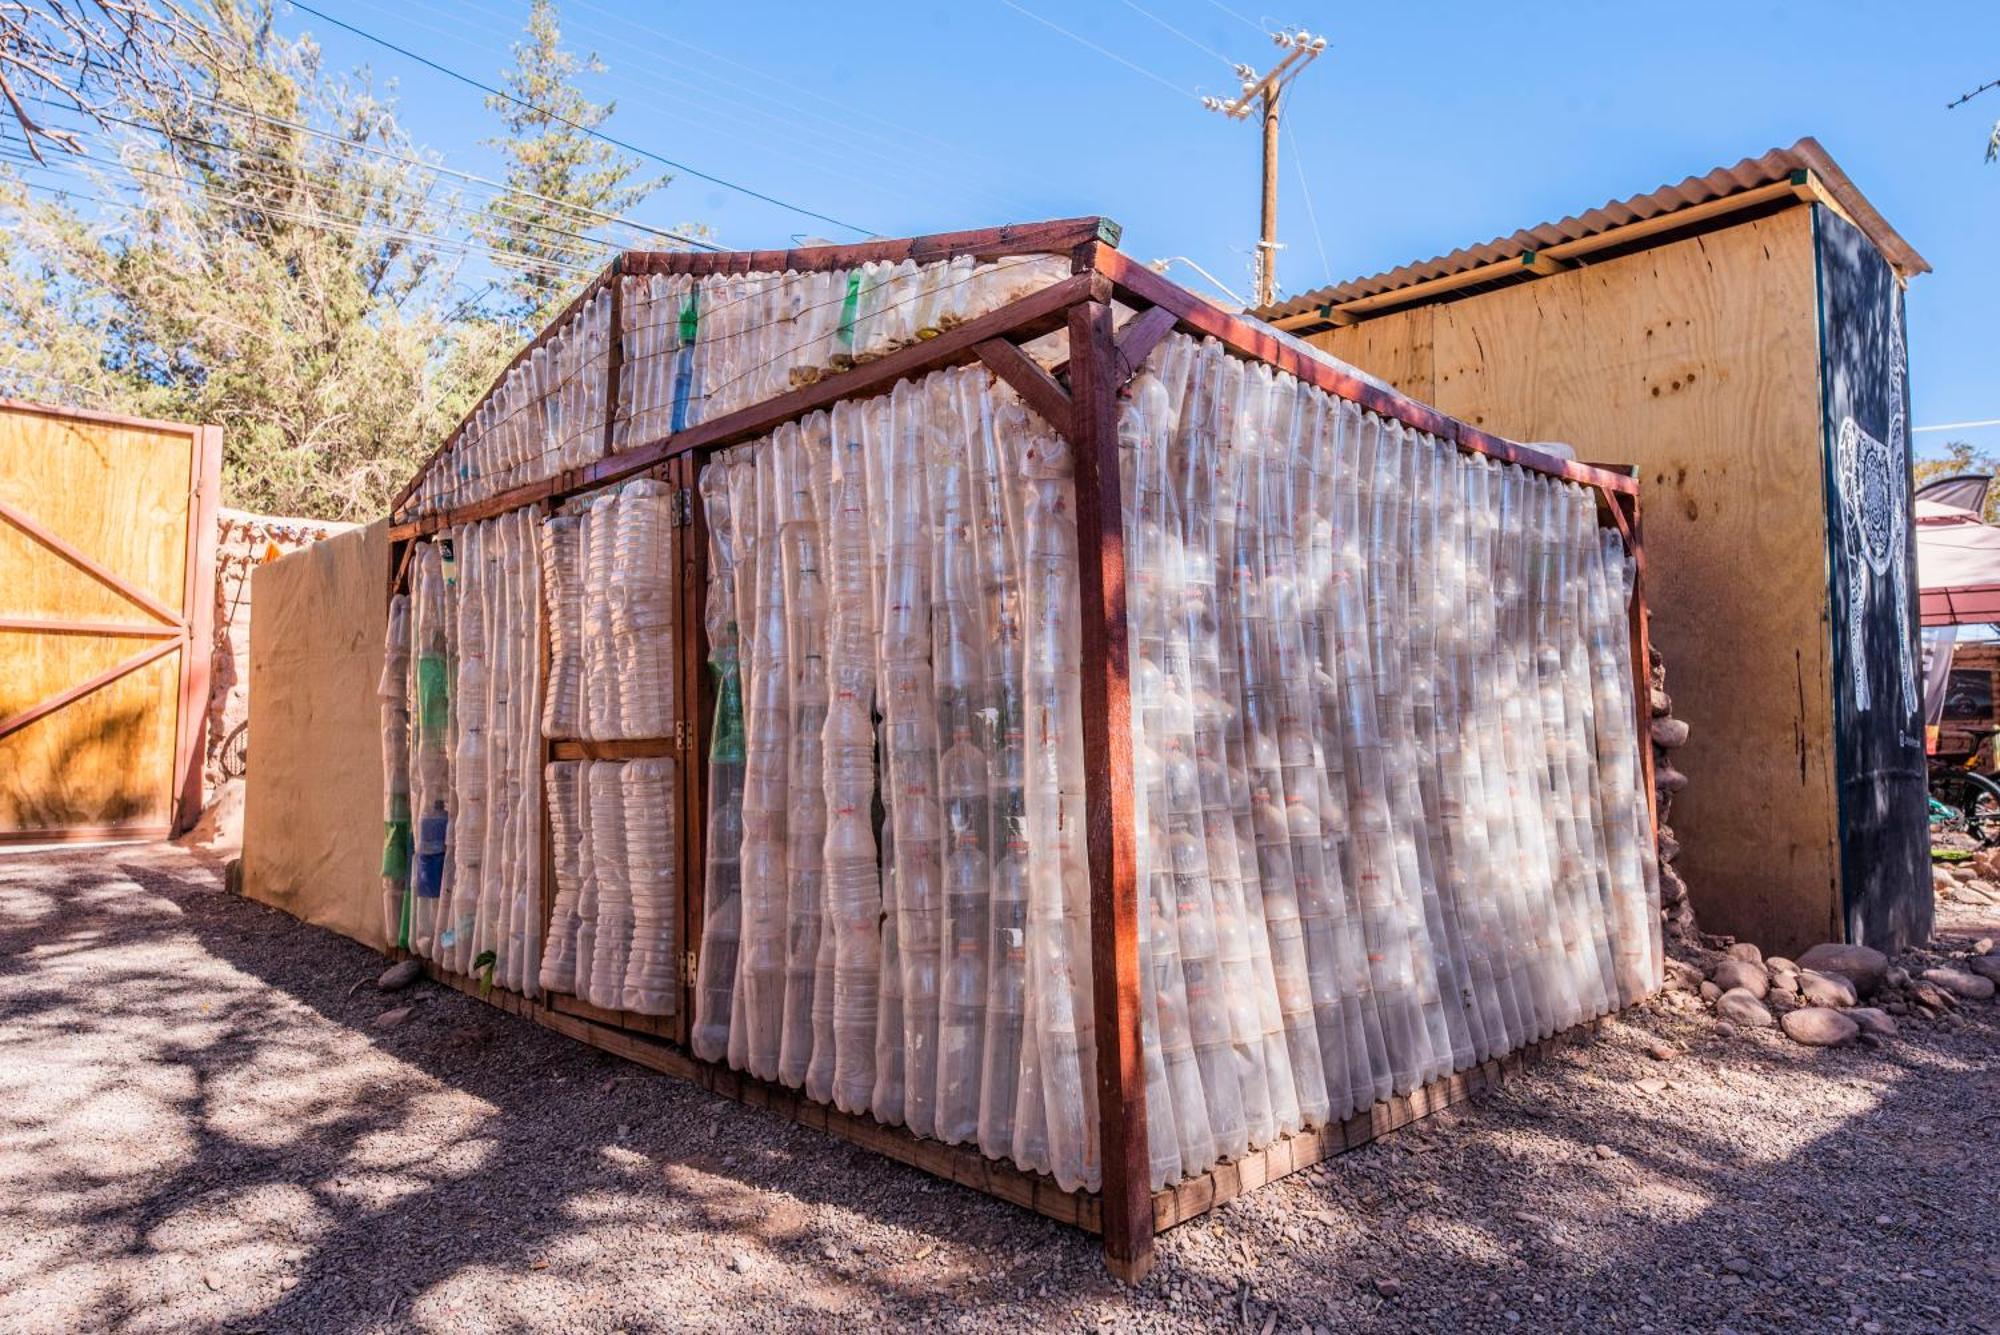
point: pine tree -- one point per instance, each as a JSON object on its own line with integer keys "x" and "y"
{"x": 564, "y": 182}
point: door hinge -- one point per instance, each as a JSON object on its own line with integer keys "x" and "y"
{"x": 687, "y": 968}
{"x": 683, "y": 508}
{"x": 683, "y": 735}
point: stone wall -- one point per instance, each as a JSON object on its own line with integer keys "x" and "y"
{"x": 244, "y": 542}
{"x": 1668, "y": 735}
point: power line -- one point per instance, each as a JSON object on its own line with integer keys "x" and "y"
{"x": 1305, "y": 190}
{"x": 1959, "y": 426}
{"x": 418, "y": 205}
{"x": 1106, "y": 52}
{"x": 1240, "y": 18}
{"x": 586, "y": 244}
{"x": 811, "y": 145}
{"x": 902, "y": 127}
{"x": 325, "y": 220}
{"x": 358, "y": 147}
{"x": 1199, "y": 46}
{"x": 614, "y": 141}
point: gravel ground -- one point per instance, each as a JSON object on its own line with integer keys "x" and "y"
{"x": 201, "y": 1128}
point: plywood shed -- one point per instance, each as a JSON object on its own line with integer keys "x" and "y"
{"x": 107, "y": 576}
{"x": 1738, "y": 337}
{"x": 971, "y": 696}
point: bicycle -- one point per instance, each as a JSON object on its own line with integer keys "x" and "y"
{"x": 1963, "y": 798}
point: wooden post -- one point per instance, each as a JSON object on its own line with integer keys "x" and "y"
{"x": 1642, "y": 655}
{"x": 1109, "y": 828}
{"x": 1267, "y": 245}
{"x": 695, "y": 701}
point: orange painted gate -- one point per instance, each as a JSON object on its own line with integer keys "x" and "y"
{"x": 107, "y": 595}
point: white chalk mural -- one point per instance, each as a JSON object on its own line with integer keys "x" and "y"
{"x": 1875, "y": 527}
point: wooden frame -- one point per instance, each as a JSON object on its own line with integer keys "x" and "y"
{"x": 1125, "y": 1211}
{"x": 190, "y": 630}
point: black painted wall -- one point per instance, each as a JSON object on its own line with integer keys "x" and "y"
{"x": 1878, "y": 727}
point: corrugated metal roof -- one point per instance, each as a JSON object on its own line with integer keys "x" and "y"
{"x": 1750, "y": 174}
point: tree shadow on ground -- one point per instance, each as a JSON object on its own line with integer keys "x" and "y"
{"x": 205, "y": 1127}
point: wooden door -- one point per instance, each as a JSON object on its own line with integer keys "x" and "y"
{"x": 107, "y": 593}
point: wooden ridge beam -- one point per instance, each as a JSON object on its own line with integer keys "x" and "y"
{"x": 1055, "y": 236}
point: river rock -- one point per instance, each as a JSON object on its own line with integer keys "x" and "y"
{"x": 1669, "y": 780}
{"x": 391, "y": 1019}
{"x": 1709, "y": 991}
{"x": 1735, "y": 973}
{"x": 1872, "y": 1021}
{"x": 1683, "y": 975}
{"x": 1739, "y": 1005}
{"x": 1745, "y": 950}
{"x": 1863, "y": 966}
{"x": 1986, "y": 966}
{"x": 1819, "y": 1027}
{"x": 1826, "y": 989}
{"x": 1961, "y": 984}
{"x": 400, "y": 975}
{"x": 1784, "y": 983}
{"x": 1669, "y": 733}
{"x": 1932, "y": 997}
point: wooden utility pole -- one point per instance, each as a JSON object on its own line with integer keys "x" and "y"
{"x": 1301, "y": 49}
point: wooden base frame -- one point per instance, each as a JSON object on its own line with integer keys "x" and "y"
{"x": 1166, "y": 1208}
{"x": 1081, "y": 401}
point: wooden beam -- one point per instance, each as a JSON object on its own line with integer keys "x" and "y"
{"x": 1225, "y": 1182}
{"x": 1110, "y": 832}
{"x": 623, "y": 748}
{"x": 198, "y": 600}
{"x": 102, "y": 574}
{"x": 1036, "y": 386}
{"x": 1138, "y": 339}
{"x": 116, "y": 629}
{"x": 10, "y": 726}
{"x": 1138, "y": 285}
{"x": 962, "y": 1164}
{"x": 1032, "y": 316}
{"x": 1055, "y": 236}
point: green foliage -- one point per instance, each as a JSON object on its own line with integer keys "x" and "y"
{"x": 563, "y": 180}
{"x": 280, "y": 258}
{"x": 1960, "y": 457}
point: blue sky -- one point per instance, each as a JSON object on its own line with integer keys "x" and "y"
{"x": 1424, "y": 126}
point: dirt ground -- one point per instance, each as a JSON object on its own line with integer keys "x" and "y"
{"x": 202, "y": 1128}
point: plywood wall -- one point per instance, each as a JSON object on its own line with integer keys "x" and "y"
{"x": 118, "y": 494}
{"x": 312, "y": 802}
{"x": 1697, "y": 361}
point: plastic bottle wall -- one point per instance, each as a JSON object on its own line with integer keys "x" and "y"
{"x": 696, "y": 348}
{"x": 475, "y": 720}
{"x": 897, "y": 580}
{"x": 609, "y": 581}
{"x": 397, "y": 834}
{"x": 614, "y": 929}
{"x": 1389, "y": 800}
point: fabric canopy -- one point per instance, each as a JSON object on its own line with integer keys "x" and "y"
{"x": 1958, "y": 565}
